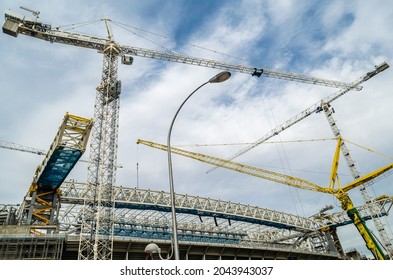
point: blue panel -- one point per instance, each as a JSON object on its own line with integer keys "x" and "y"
{"x": 165, "y": 235}
{"x": 203, "y": 213}
{"x": 365, "y": 218}
{"x": 60, "y": 164}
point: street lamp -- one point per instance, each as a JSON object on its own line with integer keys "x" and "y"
{"x": 153, "y": 248}
{"x": 221, "y": 77}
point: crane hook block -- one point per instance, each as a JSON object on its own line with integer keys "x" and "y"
{"x": 257, "y": 72}
{"x": 127, "y": 60}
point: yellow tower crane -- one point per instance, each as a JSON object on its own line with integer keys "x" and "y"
{"x": 340, "y": 192}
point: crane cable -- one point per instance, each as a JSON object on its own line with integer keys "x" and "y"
{"x": 128, "y": 27}
{"x": 284, "y": 160}
{"x": 73, "y": 26}
{"x": 286, "y": 141}
{"x": 140, "y": 36}
{"x": 368, "y": 149}
{"x": 248, "y": 143}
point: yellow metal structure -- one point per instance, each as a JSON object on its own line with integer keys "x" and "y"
{"x": 340, "y": 192}
{"x": 41, "y": 204}
{"x": 346, "y": 203}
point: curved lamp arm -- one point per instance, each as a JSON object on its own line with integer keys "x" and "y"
{"x": 219, "y": 78}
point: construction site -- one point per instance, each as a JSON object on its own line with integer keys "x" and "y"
{"x": 60, "y": 218}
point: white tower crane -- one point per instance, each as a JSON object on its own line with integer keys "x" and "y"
{"x": 307, "y": 112}
{"x": 97, "y": 225}
{"x": 22, "y": 148}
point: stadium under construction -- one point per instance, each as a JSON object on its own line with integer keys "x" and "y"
{"x": 61, "y": 219}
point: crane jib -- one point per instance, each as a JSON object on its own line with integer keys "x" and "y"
{"x": 15, "y": 24}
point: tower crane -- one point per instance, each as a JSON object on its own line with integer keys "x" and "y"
{"x": 371, "y": 206}
{"x": 22, "y": 148}
{"x": 307, "y": 112}
{"x": 97, "y": 225}
{"x": 340, "y": 192}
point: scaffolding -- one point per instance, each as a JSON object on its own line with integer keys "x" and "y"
{"x": 17, "y": 244}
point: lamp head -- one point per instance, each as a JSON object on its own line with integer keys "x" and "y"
{"x": 220, "y": 77}
{"x": 152, "y": 248}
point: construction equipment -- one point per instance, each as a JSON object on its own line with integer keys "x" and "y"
{"x": 347, "y": 205}
{"x": 97, "y": 225}
{"x": 17, "y": 24}
{"x": 41, "y": 204}
{"x": 276, "y": 226}
{"x": 329, "y": 222}
{"x": 307, "y": 112}
{"x": 371, "y": 205}
{"x": 340, "y": 192}
{"x": 22, "y": 148}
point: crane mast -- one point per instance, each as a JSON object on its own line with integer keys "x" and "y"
{"x": 97, "y": 225}
{"x": 96, "y": 238}
{"x": 371, "y": 205}
{"x": 97, "y": 221}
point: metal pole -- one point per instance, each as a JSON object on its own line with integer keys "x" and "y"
{"x": 223, "y": 76}
{"x": 171, "y": 186}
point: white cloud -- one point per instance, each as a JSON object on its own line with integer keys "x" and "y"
{"x": 41, "y": 81}
{"x": 367, "y": 34}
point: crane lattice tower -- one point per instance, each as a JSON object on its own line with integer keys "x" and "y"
{"x": 98, "y": 211}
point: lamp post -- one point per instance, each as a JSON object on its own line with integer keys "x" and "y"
{"x": 221, "y": 77}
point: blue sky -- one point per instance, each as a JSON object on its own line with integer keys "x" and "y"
{"x": 340, "y": 40}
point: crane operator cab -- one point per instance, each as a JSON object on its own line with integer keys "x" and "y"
{"x": 127, "y": 60}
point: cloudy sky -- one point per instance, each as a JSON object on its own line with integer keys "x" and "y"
{"x": 339, "y": 40}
